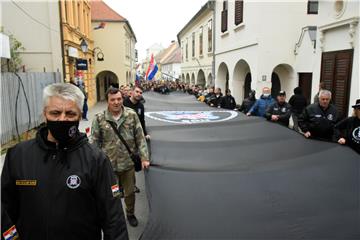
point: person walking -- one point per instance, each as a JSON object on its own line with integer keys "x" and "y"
{"x": 106, "y": 126}
{"x": 58, "y": 186}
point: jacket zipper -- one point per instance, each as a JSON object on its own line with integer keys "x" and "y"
{"x": 50, "y": 182}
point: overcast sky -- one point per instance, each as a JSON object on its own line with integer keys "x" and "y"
{"x": 156, "y": 21}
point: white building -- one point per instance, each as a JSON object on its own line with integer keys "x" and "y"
{"x": 287, "y": 44}
{"x": 153, "y": 50}
{"x": 255, "y": 45}
{"x": 36, "y": 25}
{"x": 335, "y": 59}
{"x": 171, "y": 66}
{"x": 196, "y": 42}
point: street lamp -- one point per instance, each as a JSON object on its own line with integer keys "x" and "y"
{"x": 84, "y": 46}
{"x": 99, "y": 55}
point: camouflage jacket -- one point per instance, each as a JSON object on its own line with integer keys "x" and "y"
{"x": 103, "y": 135}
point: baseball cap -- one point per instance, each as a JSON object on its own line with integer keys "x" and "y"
{"x": 282, "y": 93}
{"x": 357, "y": 104}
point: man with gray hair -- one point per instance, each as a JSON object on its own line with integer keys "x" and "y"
{"x": 318, "y": 119}
{"x": 58, "y": 186}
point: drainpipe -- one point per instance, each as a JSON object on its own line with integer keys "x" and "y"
{"x": 62, "y": 43}
{"x": 213, "y": 7}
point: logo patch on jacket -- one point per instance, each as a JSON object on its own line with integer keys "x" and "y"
{"x": 11, "y": 234}
{"x": 115, "y": 190}
{"x": 330, "y": 117}
{"x": 26, "y": 183}
{"x": 356, "y": 135}
{"x": 73, "y": 181}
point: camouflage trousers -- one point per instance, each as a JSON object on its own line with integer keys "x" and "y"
{"x": 127, "y": 183}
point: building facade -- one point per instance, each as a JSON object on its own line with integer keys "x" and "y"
{"x": 255, "y": 45}
{"x": 196, "y": 41}
{"x": 334, "y": 59}
{"x": 171, "y": 63}
{"x": 43, "y": 52}
{"x": 78, "y": 61}
{"x": 283, "y": 45}
{"x": 115, "y": 43}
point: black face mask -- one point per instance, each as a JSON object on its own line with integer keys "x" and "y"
{"x": 63, "y": 131}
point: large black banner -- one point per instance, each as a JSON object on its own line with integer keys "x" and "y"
{"x": 221, "y": 175}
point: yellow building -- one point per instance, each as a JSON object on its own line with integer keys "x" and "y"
{"x": 78, "y": 62}
{"x": 115, "y": 61}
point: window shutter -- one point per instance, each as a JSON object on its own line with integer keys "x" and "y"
{"x": 327, "y": 70}
{"x": 336, "y": 74}
{"x": 239, "y": 6}
{"x": 224, "y": 21}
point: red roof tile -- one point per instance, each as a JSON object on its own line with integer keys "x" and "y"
{"x": 100, "y": 11}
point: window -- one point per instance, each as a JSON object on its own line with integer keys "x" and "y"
{"x": 313, "y": 7}
{"x": 79, "y": 16}
{"x": 186, "y": 50}
{"x": 193, "y": 44}
{"x": 201, "y": 41}
{"x": 224, "y": 15}
{"x": 239, "y": 11}
{"x": 210, "y": 36}
{"x": 182, "y": 52}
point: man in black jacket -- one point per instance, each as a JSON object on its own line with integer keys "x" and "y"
{"x": 318, "y": 119}
{"x": 228, "y": 101}
{"x": 298, "y": 103}
{"x": 58, "y": 186}
{"x": 134, "y": 102}
{"x": 347, "y": 131}
{"x": 279, "y": 111}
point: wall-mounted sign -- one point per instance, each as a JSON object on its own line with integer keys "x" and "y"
{"x": 73, "y": 52}
{"x": 81, "y": 64}
{"x": 191, "y": 117}
{"x": 5, "y": 46}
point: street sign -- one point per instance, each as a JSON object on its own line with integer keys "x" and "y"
{"x": 81, "y": 64}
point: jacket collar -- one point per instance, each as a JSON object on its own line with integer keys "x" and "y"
{"x": 123, "y": 116}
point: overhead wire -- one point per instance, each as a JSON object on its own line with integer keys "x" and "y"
{"x": 34, "y": 19}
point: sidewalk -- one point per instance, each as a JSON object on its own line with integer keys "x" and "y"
{"x": 141, "y": 204}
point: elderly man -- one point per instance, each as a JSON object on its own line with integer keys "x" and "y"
{"x": 279, "y": 111}
{"x": 318, "y": 119}
{"x": 58, "y": 186}
{"x": 260, "y": 106}
{"x": 107, "y": 128}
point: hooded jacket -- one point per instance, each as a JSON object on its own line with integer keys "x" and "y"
{"x": 55, "y": 192}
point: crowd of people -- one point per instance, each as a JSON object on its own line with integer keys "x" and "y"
{"x": 319, "y": 120}
{"x": 60, "y": 185}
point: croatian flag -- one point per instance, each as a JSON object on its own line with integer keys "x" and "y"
{"x": 11, "y": 234}
{"x": 152, "y": 69}
{"x": 100, "y": 26}
{"x": 115, "y": 190}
